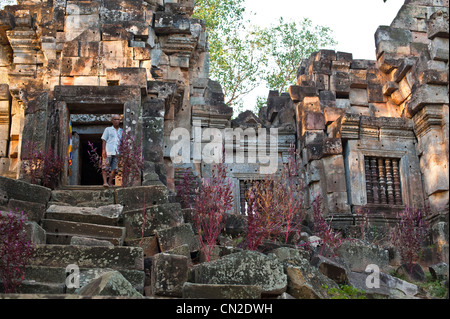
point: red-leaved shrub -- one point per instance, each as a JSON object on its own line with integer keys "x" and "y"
{"x": 330, "y": 239}
{"x": 210, "y": 200}
{"x": 41, "y": 167}
{"x": 275, "y": 206}
{"x": 409, "y": 233}
{"x": 15, "y": 250}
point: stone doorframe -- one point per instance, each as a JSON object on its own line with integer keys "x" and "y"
{"x": 125, "y": 100}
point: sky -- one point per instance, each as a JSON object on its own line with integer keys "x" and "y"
{"x": 353, "y": 22}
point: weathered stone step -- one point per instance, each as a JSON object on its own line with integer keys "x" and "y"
{"x": 20, "y": 190}
{"x": 67, "y": 228}
{"x": 56, "y": 275}
{"x": 117, "y": 257}
{"x": 130, "y": 197}
{"x": 83, "y": 197}
{"x": 138, "y": 197}
{"x": 42, "y": 279}
{"x": 156, "y": 217}
{"x": 33, "y": 287}
{"x": 66, "y": 239}
{"x": 103, "y": 215}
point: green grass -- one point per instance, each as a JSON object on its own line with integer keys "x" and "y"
{"x": 346, "y": 292}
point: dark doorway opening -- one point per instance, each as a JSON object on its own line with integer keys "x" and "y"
{"x": 89, "y": 173}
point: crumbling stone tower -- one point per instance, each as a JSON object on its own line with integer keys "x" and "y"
{"x": 374, "y": 134}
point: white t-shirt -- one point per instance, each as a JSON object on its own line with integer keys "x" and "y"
{"x": 112, "y": 138}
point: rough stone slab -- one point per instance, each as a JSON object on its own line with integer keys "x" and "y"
{"x": 31, "y": 287}
{"x": 330, "y": 268}
{"x": 85, "y": 241}
{"x": 66, "y": 239}
{"x": 182, "y": 250}
{"x": 84, "y": 198}
{"x": 157, "y": 217}
{"x": 133, "y": 198}
{"x": 34, "y": 211}
{"x": 35, "y": 233}
{"x": 83, "y": 229}
{"x": 243, "y": 268}
{"x": 290, "y": 255}
{"x": 391, "y": 40}
{"x": 45, "y": 274}
{"x": 135, "y": 277}
{"x": 208, "y": 291}
{"x": 169, "y": 238}
{"x": 306, "y": 282}
{"x": 357, "y": 256}
{"x": 168, "y": 275}
{"x": 437, "y": 25}
{"x": 88, "y": 257}
{"x": 426, "y": 95}
{"x": 20, "y": 190}
{"x": 104, "y": 215}
{"x": 439, "y": 271}
{"x": 148, "y": 244}
{"x": 111, "y": 283}
{"x": 390, "y": 287}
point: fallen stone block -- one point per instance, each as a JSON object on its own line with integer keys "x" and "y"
{"x": 20, "y": 190}
{"x": 172, "y": 237}
{"x": 156, "y": 217}
{"x": 439, "y": 271}
{"x": 111, "y": 283}
{"x": 85, "y": 241}
{"x": 381, "y": 285}
{"x": 168, "y": 275}
{"x": 357, "y": 255}
{"x": 83, "y": 197}
{"x": 412, "y": 272}
{"x": 34, "y": 211}
{"x": 61, "y": 231}
{"x": 138, "y": 197}
{"x": 35, "y": 233}
{"x": 218, "y": 291}
{"x": 243, "y": 268}
{"x": 330, "y": 268}
{"x": 291, "y": 256}
{"x": 306, "y": 282}
{"x": 88, "y": 257}
{"x": 104, "y": 215}
{"x": 149, "y": 245}
{"x": 44, "y": 274}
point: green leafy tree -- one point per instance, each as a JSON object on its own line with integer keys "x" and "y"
{"x": 287, "y": 44}
{"x": 234, "y": 48}
{"x": 244, "y": 56}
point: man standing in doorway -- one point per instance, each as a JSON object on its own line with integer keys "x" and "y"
{"x": 110, "y": 143}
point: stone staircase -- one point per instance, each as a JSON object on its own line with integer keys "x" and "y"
{"x": 86, "y": 212}
{"x": 88, "y": 226}
{"x": 50, "y": 266}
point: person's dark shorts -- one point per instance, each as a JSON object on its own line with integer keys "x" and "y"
{"x": 111, "y": 163}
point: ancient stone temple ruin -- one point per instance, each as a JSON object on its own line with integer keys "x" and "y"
{"x": 370, "y": 134}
